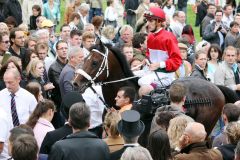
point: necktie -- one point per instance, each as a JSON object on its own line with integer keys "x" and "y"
{"x": 236, "y": 76}
{"x": 14, "y": 111}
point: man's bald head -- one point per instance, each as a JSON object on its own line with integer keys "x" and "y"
{"x": 13, "y": 71}
{"x": 196, "y": 132}
{"x": 12, "y": 79}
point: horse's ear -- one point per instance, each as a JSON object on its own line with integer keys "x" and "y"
{"x": 102, "y": 45}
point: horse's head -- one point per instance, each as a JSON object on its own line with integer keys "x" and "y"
{"x": 94, "y": 69}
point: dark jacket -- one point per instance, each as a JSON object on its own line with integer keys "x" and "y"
{"x": 54, "y": 136}
{"x": 227, "y": 151}
{"x": 198, "y": 151}
{"x": 201, "y": 13}
{"x": 213, "y": 37}
{"x": 33, "y": 25}
{"x": 39, "y": 80}
{"x": 132, "y": 5}
{"x": 53, "y": 75}
{"x": 206, "y": 20}
{"x": 198, "y": 73}
{"x": 13, "y": 8}
{"x": 22, "y": 56}
{"x": 82, "y": 145}
{"x": 182, "y": 3}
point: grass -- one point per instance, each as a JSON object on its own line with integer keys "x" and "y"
{"x": 191, "y": 16}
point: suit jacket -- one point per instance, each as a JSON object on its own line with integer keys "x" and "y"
{"x": 54, "y": 136}
{"x": 213, "y": 37}
{"x": 224, "y": 76}
{"x": 198, "y": 73}
{"x": 82, "y": 145}
{"x": 53, "y": 75}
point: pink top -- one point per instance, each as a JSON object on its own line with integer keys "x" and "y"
{"x": 41, "y": 128}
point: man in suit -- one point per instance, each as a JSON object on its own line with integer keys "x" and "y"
{"x": 77, "y": 145}
{"x": 51, "y": 137}
{"x": 130, "y": 128}
{"x": 216, "y": 31}
{"x": 227, "y": 73}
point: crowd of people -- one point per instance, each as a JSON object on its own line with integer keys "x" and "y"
{"x": 42, "y": 116}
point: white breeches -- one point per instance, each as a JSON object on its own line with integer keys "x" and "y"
{"x": 166, "y": 79}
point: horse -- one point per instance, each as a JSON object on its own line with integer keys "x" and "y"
{"x": 204, "y": 101}
{"x": 109, "y": 67}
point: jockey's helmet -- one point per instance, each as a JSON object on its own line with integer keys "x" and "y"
{"x": 155, "y": 13}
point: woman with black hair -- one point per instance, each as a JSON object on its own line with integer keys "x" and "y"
{"x": 159, "y": 146}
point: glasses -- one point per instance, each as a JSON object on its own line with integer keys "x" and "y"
{"x": 63, "y": 48}
{"x": 6, "y": 42}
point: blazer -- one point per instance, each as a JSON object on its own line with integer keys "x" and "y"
{"x": 82, "y": 145}
{"x": 224, "y": 76}
{"x": 54, "y": 136}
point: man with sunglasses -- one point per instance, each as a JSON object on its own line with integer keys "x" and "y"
{"x": 4, "y": 45}
{"x": 162, "y": 50}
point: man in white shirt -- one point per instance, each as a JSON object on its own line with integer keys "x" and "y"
{"x": 20, "y": 110}
{"x": 96, "y": 107}
{"x": 178, "y": 25}
{"x": 5, "y": 128}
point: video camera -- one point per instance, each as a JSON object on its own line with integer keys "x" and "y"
{"x": 150, "y": 103}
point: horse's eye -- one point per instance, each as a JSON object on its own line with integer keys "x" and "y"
{"x": 94, "y": 63}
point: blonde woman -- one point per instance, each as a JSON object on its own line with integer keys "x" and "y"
{"x": 36, "y": 75}
{"x": 233, "y": 137}
{"x": 176, "y": 128}
{"x": 113, "y": 140}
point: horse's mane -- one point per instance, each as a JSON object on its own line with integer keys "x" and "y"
{"x": 120, "y": 57}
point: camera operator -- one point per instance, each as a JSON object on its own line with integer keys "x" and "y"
{"x": 216, "y": 31}
{"x": 177, "y": 94}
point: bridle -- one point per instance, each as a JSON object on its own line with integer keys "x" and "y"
{"x": 104, "y": 66}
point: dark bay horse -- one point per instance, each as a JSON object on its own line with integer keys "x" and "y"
{"x": 108, "y": 65}
{"x": 204, "y": 100}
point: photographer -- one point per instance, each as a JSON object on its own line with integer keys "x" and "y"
{"x": 177, "y": 94}
{"x": 216, "y": 31}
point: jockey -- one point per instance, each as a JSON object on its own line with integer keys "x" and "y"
{"x": 162, "y": 50}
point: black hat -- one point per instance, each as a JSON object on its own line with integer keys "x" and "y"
{"x": 130, "y": 125}
{"x": 68, "y": 100}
